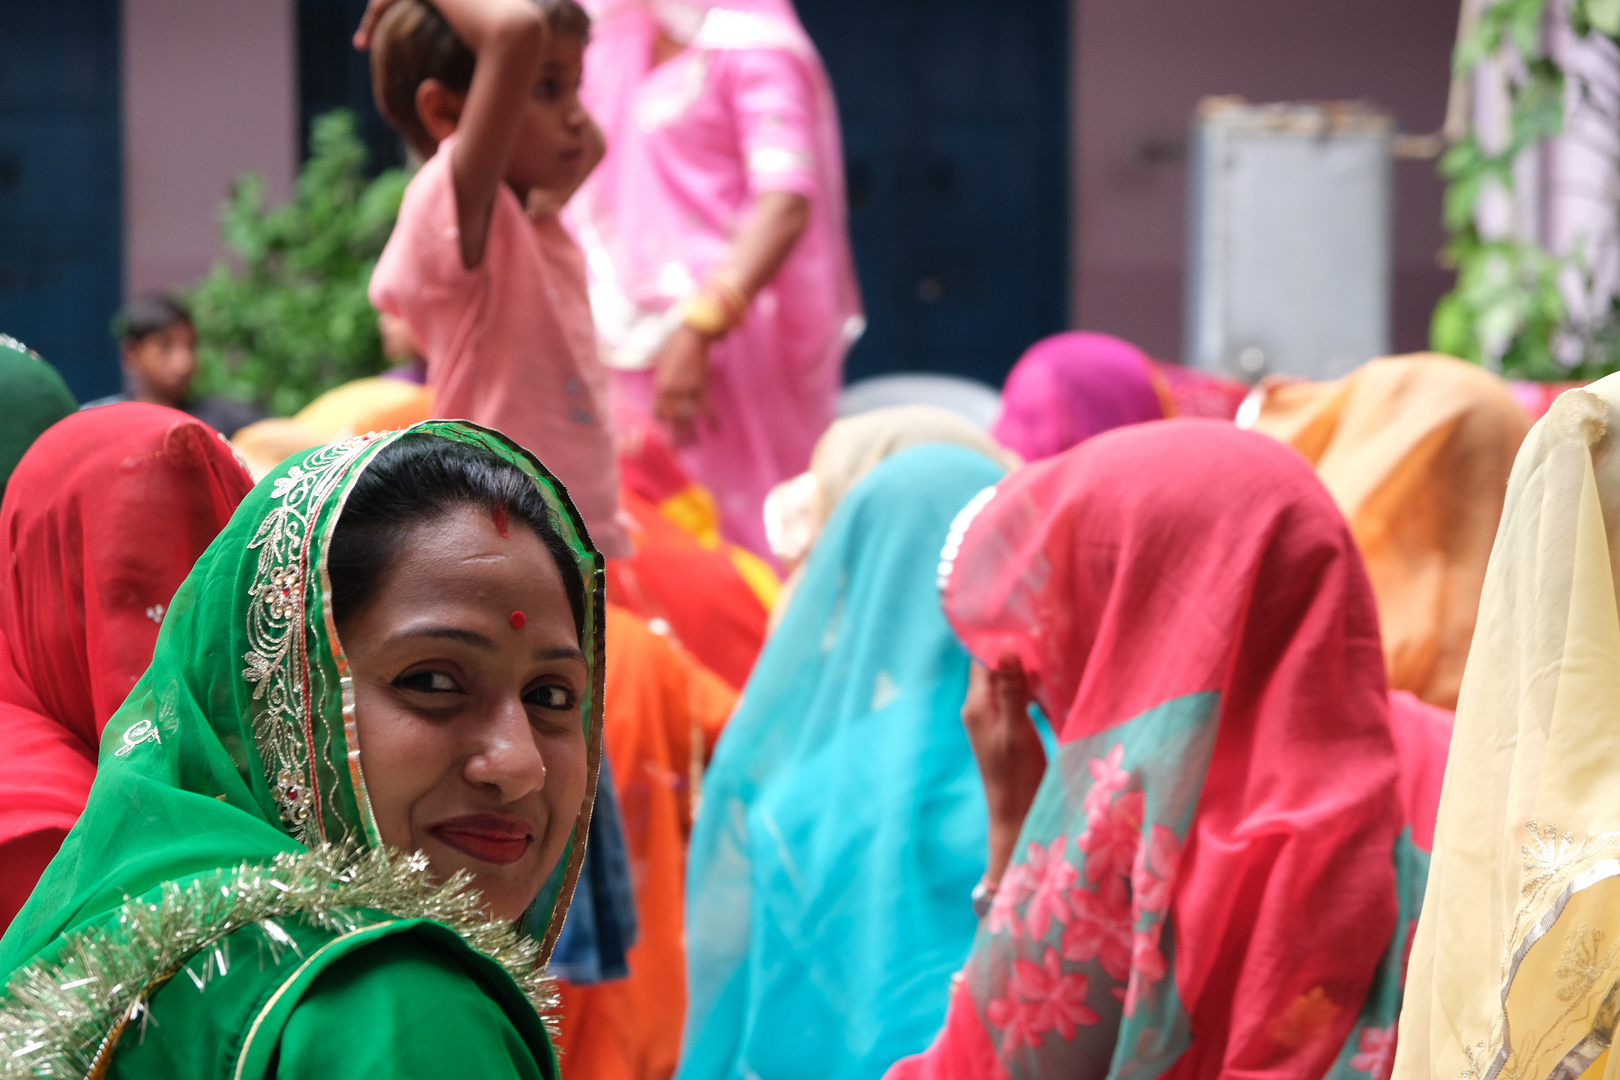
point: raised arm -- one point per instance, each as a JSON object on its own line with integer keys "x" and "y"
{"x": 508, "y": 37}
{"x": 1009, "y": 751}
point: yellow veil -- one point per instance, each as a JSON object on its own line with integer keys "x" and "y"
{"x": 1515, "y": 969}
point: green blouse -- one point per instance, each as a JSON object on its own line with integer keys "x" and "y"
{"x": 394, "y": 998}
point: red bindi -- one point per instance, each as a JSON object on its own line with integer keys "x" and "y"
{"x": 498, "y": 512}
{"x": 518, "y": 620}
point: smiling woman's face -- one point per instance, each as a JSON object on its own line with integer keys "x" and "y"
{"x": 467, "y": 714}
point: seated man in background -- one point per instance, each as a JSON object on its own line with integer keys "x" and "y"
{"x": 157, "y": 348}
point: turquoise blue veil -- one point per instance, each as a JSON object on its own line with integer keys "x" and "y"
{"x": 842, "y": 823}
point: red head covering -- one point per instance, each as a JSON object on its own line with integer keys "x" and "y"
{"x": 692, "y": 586}
{"x": 1205, "y": 883}
{"x": 1199, "y": 393}
{"x": 101, "y": 521}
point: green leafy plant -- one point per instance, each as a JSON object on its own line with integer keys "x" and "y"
{"x": 1507, "y": 308}
{"x": 286, "y": 317}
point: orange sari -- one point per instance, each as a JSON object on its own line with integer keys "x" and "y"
{"x": 661, "y": 706}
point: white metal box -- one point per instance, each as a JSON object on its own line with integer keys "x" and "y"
{"x": 1289, "y": 238}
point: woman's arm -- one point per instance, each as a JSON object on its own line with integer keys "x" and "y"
{"x": 1009, "y": 751}
{"x": 767, "y": 238}
{"x": 773, "y": 227}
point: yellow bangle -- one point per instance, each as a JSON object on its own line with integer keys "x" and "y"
{"x": 703, "y": 313}
{"x": 730, "y": 296}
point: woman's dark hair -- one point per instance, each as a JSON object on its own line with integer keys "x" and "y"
{"x": 148, "y": 314}
{"x": 418, "y": 479}
{"x": 414, "y": 43}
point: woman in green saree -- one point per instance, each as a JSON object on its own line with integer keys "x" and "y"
{"x": 234, "y": 901}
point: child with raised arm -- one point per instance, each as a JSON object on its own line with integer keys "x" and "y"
{"x": 492, "y": 287}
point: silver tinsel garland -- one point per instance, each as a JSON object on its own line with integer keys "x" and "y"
{"x": 62, "y": 1018}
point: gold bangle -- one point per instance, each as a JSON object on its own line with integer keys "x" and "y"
{"x": 731, "y": 296}
{"x": 705, "y": 314}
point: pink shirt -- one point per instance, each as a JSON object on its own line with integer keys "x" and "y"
{"x": 510, "y": 343}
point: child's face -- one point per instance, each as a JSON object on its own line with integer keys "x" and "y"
{"x": 160, "y": 366}
{"x": 549, "y": 152}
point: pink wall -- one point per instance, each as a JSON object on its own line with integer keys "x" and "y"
{"x": 1141, "y": 67}
{"x": 210, "y": 91}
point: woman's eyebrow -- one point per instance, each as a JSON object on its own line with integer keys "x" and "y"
{"x": 480, "y": 641}
{"x": 451, "y": 633}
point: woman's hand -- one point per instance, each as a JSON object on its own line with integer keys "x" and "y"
{"x": 1008, "y": 749}
{"x": 681, "y": 381}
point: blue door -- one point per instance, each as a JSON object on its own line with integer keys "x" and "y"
{"x": 955, "y": 132}
{"x": 61, "y": 190}
{"x": 332, "y": 74}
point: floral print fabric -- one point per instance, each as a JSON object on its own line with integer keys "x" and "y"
{"x": 1081, "y": 921}
{"x": 1206, "y": 885}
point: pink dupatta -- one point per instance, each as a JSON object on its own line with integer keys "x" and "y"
{"x": 1206, "y": 885}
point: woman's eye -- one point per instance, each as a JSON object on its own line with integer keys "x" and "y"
{"x": 427, "y": 682}
{"x": 547, "y": 90}
{"x": 550, "y": 697}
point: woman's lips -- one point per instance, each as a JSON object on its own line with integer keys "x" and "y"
{"x": 491, "y": 838}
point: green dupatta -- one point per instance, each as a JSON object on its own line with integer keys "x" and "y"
{"x": 230, "y": 791}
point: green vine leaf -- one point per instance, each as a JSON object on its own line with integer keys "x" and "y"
{"x": 286, "y": 317}
{"x": 1600, "y": 15}
{"x": 1508, "y": 306}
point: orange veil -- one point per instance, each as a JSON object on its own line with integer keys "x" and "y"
{"x": 1416, "y": 450}
{"x": 663, "y": 713}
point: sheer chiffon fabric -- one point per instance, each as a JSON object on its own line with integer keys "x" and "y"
{"x": 1514, "y": 965}
{"x": 845, "y": 453}
{"x": 843, "y": 823}
{"x": 1416, "y": 450}
{"x": 102, "y": 520}
{"x": 1195, "y": 393}
{"x": 1206, "y": 884}
{"x": 35, "y": 396}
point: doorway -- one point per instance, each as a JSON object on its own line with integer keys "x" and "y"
{"x": 61, "y": 188}
{"x": 333, "y": 74}
{"x": 954, "y": 117}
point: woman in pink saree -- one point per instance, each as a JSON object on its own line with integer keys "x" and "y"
{"x": 714, "y": 230}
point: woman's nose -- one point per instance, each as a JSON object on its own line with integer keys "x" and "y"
{"x": 507, "y": 757}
